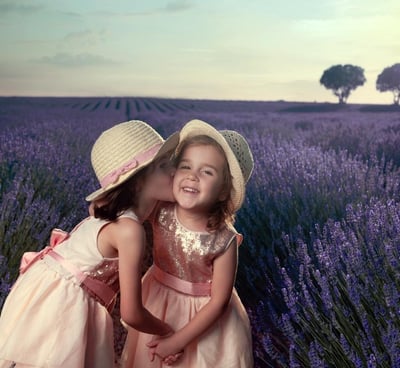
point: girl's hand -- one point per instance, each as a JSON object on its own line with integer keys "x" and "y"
{"x": 171, "y": 359}
{"x": 165, "y": 348}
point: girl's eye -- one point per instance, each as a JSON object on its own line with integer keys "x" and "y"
{"x": 208, "y": 172}
{"x": 184, "y": 167}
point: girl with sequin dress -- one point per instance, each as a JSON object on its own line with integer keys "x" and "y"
{"x": 58, "y": 311}
{"x": 190, "y": 285}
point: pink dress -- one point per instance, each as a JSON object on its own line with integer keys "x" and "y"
{"x": 57, "y": 312}
{"x": 177, "y": 286}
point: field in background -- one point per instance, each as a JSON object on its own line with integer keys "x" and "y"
{"x": 319, "y": 268}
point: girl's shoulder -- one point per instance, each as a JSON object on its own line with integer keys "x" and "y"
{"x": 227, "y": 234}
{"x": 227, "y": 229}
{"x": 129, "y": 214}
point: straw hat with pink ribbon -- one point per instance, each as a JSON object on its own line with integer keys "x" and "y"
{"x": 123, "y": 150}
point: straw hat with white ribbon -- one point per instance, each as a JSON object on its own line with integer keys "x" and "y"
{"x": 237, "y": 151}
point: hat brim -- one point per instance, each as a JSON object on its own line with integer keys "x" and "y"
{"x": 197, "y": 127}
{"x": 170, "y": 144}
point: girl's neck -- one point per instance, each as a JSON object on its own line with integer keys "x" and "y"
{"x": 144, "y": 208}
{"x": 195, "y": 221}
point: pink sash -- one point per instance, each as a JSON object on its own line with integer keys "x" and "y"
{"x": 183, "y": 286}
{"x": 104, "y": 294}
{"x": 29, "y": 258}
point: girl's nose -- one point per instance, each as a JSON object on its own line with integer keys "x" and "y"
{"x": 191, "y": 176}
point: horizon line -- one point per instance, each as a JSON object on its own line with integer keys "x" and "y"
{"x": 196, "y": 99}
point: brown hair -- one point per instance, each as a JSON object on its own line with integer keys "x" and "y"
{"x": 120, "y": 199}
{"x": 222, "y": 212}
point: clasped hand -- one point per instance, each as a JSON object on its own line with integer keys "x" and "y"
{"x": 165, "y": 349}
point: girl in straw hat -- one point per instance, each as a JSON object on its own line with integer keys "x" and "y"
{"x": 58, "y": 311}
{"x": 191, "y": 283}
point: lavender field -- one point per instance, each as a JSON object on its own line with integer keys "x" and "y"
{"x": 319, "y": 268}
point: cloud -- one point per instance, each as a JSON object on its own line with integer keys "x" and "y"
{"x": 178, "y": 6}
{"x": 72, "y": 61}
{"x": 196, "y": 50}
{"x": 367, "y": 8}
{"x": 175, "y": 6}
{"x": 311, "y": 9}
{"x": 15, "y": 8}
{"x": 71, "y": 14}
{"x": 85, "y": 38}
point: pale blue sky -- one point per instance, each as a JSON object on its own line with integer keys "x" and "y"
{"x": 223, "y": 49}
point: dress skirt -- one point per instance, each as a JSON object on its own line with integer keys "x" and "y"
{"x": 55, "y": 324}
{"x": 227, "y": 344}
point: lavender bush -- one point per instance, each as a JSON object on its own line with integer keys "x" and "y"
{"x": 342, "y": 292}
{"x": 318, "y": 270}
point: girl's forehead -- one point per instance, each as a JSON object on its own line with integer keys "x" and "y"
{"x": 194, "y": 147}
{"x": 202, "y": 146}
{"x": 205, "y": 154}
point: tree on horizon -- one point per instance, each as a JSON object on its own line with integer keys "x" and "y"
{"x": 389, "y": 80}
{"x": 342, "y": 79}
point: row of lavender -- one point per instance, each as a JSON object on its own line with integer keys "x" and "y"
{"x": 319, "y": 269}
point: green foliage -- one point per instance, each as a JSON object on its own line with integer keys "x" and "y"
{"x": 342, "y": 79}
{"x": 389, "y": 80}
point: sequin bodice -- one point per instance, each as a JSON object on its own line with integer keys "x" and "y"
{"x": 107, "y": 273}
{"x": 187, "y": 254}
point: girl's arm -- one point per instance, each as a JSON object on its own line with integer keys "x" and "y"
{"x": 130, "y": 240}
{"x": 224, "y": 273}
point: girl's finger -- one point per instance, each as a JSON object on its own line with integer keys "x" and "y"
{"x": 168, "y": 361}
{"x": 152, "y": 344}
{"x": 152, "y": 354}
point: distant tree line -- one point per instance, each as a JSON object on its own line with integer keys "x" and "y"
{"x": 342, "y": 79}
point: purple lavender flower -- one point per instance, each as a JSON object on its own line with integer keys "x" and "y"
{"x": 319, "y": 266}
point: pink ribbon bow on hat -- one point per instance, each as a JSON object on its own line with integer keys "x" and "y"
{"x": 113, "y": 176}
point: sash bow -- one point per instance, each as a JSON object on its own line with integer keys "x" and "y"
{"x": 29, "y": 258}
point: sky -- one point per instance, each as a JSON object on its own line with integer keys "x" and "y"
{"x": 204, "y": 49}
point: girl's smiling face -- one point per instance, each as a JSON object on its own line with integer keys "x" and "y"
{"x": 199, "y": 178}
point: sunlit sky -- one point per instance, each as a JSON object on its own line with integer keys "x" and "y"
{"x": 214, "y": 49}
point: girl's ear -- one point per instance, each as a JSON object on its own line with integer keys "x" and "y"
{"x": 139, "y": 184}
{"x": 223, "y": 196}
{"x": 141, "y": 179}
{"x": 91, "y": 209}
